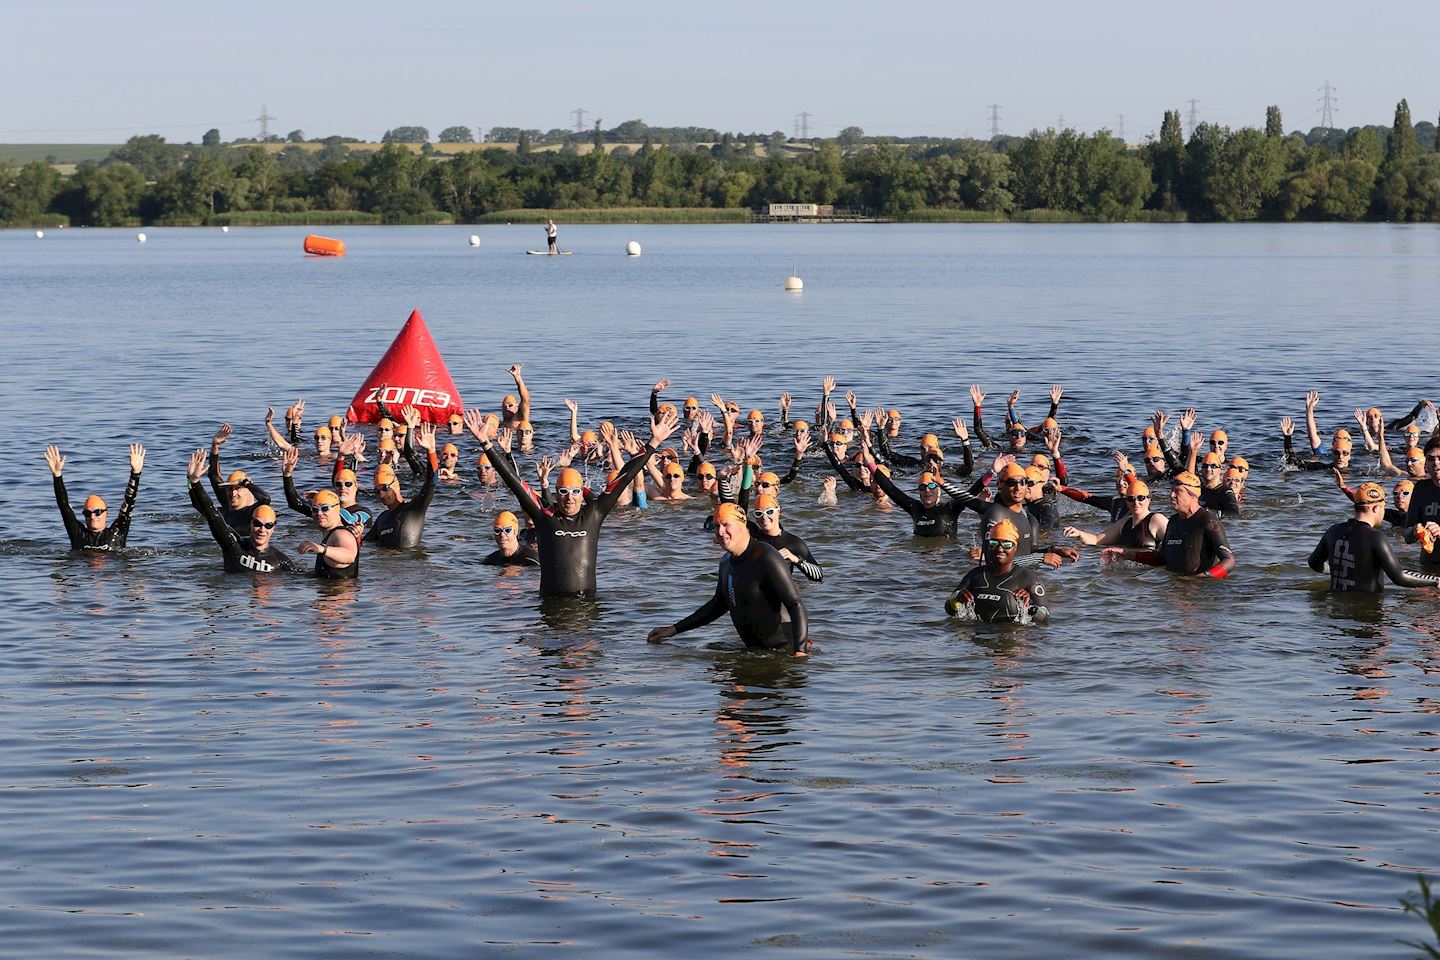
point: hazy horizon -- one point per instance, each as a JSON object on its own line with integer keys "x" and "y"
{"x": 159, "y": 66}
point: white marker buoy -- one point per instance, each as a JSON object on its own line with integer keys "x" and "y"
{"x": 224, "y": 229}
{"x": 141, "y": 238}
{"x": 794, "y": 284}
{"x": 39, "y": 234}
{"x": 632, "y": 249}
{"x": 474, "y": 240}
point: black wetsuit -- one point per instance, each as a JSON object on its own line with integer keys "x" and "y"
{"x": 930, "y": 462}
{"x": 113, "y": 536}
{"x": 324, "y": 571}
{"x": 1193, "y": 544}
{"x": 1221, "y": 499}
{"x": 840, "y": 469}
{"x": 1424, "y": 508}
{"x": 1139, "y": 535}
{"x": 994, "y": 596}
{"x": 400, "y": 527}
{"x": 1112, "y": 505}
{"x": 764, "y": 606}
{"x": 239, "y": 552}
{"x": 526, "y": 556}
{"x": 936, "y": 521}
{"x": 1046, "y": 512}
{"x": 239, "y": 520}
{"x": 568, "y": 545}
{"x": 783, "y": 540}
{"x": 1358, "y": 554}
{"x": 1024, "y": 522}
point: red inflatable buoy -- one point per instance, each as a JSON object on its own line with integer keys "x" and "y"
{"x": 324, "y": 246}
{"x": 412, "y": 372}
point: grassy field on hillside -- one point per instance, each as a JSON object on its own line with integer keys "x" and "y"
{"x": 70, "y": 153}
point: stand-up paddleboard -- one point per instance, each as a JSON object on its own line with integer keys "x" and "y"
{"x": 547, "y": 253}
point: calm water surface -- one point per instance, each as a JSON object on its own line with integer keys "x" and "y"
{"x": 432, "y": 764}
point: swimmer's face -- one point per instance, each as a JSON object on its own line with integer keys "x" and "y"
{"x": 346, "y": 489}
{"x": 1218, "y": 445}
{"x": 1342, "y": 457}
{"x": 1139, "y": 505}
{"x": 322, "y": 443}
{"x": 240, "y": 497}
{"x": 929, "y": 493}
{"x": 95, "y": 519}
{"x": 261, "y": 532}
{"x": 1184, "y": 497}
{"x": 527, "y": 436}
{"x": 327, "y": 515}
{"x": 450, "y": 459}
{"x": 389, "y": 495}
{"x": 335, "y": 435}
{"x": 457, "y": 426}
{"x": 674, "y": 482}
{"x": 511, "y": 405}
{"x": 1432, "y": 463}
{"x": 691, "y": 411}
{"x": 1415, "y": 466}
{"x": 1013, "y": 490}
{"x": 768, "y": 520}
{"x": 731, "y": 533}
{"x": 570, "y": 499}
{"x": 507, "y": 538}
{"x": 1210, "y": 474}
{"x": 1017, "y": 439}
{"x": 488, "y": 475}
{"x": 1402, "y": 498}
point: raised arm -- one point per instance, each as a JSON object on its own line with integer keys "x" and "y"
{"x": 56, "y": 461}
{"x": 275, "y": 435}
{"x": 977, "y": 397}
{"x": 484, "y": 431}
{"x": 521, "y": 391}
{"x": 1312, "y": 400}
{"x": 574, "y": 409}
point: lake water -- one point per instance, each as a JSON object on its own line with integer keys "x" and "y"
{"x": 430, "y": 764}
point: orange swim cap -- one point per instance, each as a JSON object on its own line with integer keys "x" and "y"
{"x": 846, "y": 424}
{"x": 665, "y": 408}
{"x": 691, "y": 402}
{"x": 524, "y": 425}
{"x": 401, "y": 429}
{"x": 322, "y": 431}
{"x": 264, "y": 513}
{"x": 765, "y": 502}
{"x": 1148, "y": 433}
{"x": 707, "y": 469}
{"x": 386, "y": 422}
{"x": 588, "y": 436}
{"x": 238, "y": 478}
{"x": 930, "y": 442}
{"x": 1405, "y": 485}
{"x": 336, "y": 422}
{"x": 836, "y": 438}
{"x": 1218, "y": 435}
{"x": 1041, "y": 461}
{"x": 1033, "y": 472}
{"x": 1234, "y": 473}
{"x": 1135, "y": 487}
{"x": 449, "y": 449}
{"x": 456, "y": 419}
{"x": 728, "y": 513}
{"x": 1414, "y": 453}
{"x": 768, "y": 477}
{"x": 1412, "y": 428}
{"x": 569, "y": 477}
{"x": 385, "y": 476}
{"x": 483, "y": 461}
{"x": 386, "y": 443}
{"x": 1343, "y": 443}
{"x": 1185, "y": 479}
{"x": 755, "y": 415}
{"x": 345, "y": 476}
{"x": 1012, "y": 471}
{"x": 801, "y": 426}
{"x": 1342, "y": 433}
{"x": 1005, "y": 530}
{"x": 753, "y": 461}
{"x": 507, "y": 519}
{"x": 1240, "y": 463}
{"x": 94, "y": 502}
{"x": 510, "y": 398}
{"x": 674, "y": 470}
{"x": 1049, "y": 424}
{"x": 325, "y": 498}
{"x": 893, "y": 414}
{"x": 927, "y": 477}
{"x": 670, "y": 452}
{"x": 1211, "y": 458}
{"x": 1370, "y": 492}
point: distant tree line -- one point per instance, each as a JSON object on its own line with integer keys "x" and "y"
{"x": 1216, "y": 174}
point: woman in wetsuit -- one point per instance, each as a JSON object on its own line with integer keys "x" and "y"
{"x": 1139, "y": 528}
{"x": 93, "y": 534}
{"x": 1195, "y": 542}
{"x": 337, "y": 554}
{"x": 754, "y": 587}
{"x": 765, "y": 527}
{"x": 402, "y": 523}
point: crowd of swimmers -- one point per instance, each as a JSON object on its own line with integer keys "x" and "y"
{"x": 1012, "y": 490}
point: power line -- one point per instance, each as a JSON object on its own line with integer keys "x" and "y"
{"x": 1327, "y": 110}
{"x": 994, "y": 120}
{"x": 802, "y": 124}
{"x": 264, "y": 120}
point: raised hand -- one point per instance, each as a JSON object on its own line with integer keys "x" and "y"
{"x": 54, "y": 460}
{"x": 269, "y": 415}
{"x": 1187, "y": 419}
{"x": 866, "y": 418}
{"x": 514, "y": 370}
{"x": 353, "y": 444}
{"x": 505, "y": 437}
{"x": 199, "y": 463}
{"x": 706, "y": 421}
{"x": 568, "y": 456}
{"x": 288, "y": 460}
{"x": 1159, "y": 419}
{"x": 718, "y": 401}
{"x": 137, "y": 458}
{"x": 481, "y": 428}
{"x": 850, "y": 398}
{"x": 784, "y": 401}
{"x": 660, "y": 385}
{"x": 961, "y": 430}
{"x": 829, "y": 386}
{"x": 425, "y": 436}
{"x": 221, "y": 435}
{"x": 410, "y": 415}
{"x": 1014, "y": 398}
{"x": 1311, "y": 399}
{"x": 662, "y": 427}
{"x": 1056, "y": 392}
{"x": 1287, "y": 426}
{"x": 976, "y": 396}
{"x": 802, "y": 443}
{"x": 296, "y": 412}
{"x": 630, "y": 445}
{"x": 543, "y": 466}
{"x": 572, "y": 406}
{"x": 1002, "y": 461}
{"x": 607, "y": 432}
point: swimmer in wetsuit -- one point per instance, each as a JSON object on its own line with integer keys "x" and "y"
{"x": 754, "y": 587}
{"x": 1340, "y": 451}
{"x": 1422, "y": 518}
{"x": 337, "y": 553}
{"x": 93, "y": 534}
{"x": 253, "y": 554}
{"x": 237, "y": 494}
{"x": 1215, "y": 493}
{"x": 1140, "y": 528}
{"x": 1194, "y": 544}
{"x": 1358, "y": 553}
{"x": 568, "y": 536}
{"x": 765, "y": 527}
{"x": 402, "y": 523}
{"x": 509, "y": 551}
{"x": 997, "y": 591}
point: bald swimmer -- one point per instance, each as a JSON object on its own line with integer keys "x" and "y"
{"x": 754, "y": 587}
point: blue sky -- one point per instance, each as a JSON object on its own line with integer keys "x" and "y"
{"x": 85, "y": 70}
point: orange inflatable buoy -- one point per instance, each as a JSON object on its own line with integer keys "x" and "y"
{"x": 324, "y": 246}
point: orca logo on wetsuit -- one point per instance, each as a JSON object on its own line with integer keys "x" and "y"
{"x": 570, "y": 533}
{"x": 397, "y": 396}
{"x": 256, "y": 564}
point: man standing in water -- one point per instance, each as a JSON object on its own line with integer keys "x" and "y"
{"x": 551, "y": 233}
{"x": 1357, "y": 551}
{"x": 93, "y": 534}
{"x": 1194, "y": 544}
{"x": 568, "y": 535}
{"x": 754, "y": 586}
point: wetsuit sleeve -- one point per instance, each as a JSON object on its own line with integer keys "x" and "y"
{"x": 121, "y": 527}
{"x": 1406, "y": 420}
{"x": 73, "y": 529}
{"x": 411, "y": 457}
{"x": 293, "y": 498}
{"x": 219, "y": 529}
{"x": 1061, "y": 473}
{"x": 258, "y": 492}
{"x": 1321, "y": 553}
{"x": 289, "y": 564}
{"x": 712, "y": 610}
{"x": 607, "y": 500}
{"x": 979, "y": 430}
{"x": 1216, "y": 541}
{"x": 1395, "y": 516}
{"x": 839, "y": 468}
{"x": 507, "y": 475}
{"x": 961, "y": 499}
{"x": 1385, "y": 560}
{"x": 1173, "y": 461}
{"x": 1289, "y": 452}
{"x": 792, "y": 472}
{"x": 213, "y": 475}
{"x": 967, "y": 456}
{"x": 898, "y": 459}
{"x": 654, "y": 404}
{"x": 777, "y": 577}
{"x": 422, "y": 500}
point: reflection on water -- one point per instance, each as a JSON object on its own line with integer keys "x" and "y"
{"x": 433, "y": 762}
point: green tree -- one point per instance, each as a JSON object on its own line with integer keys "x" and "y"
{"x": 406, "y": 135}
{"x": 1402, "y": 147}
{"x": 1363, "y": 144}
{"x": 261, "y": 182}
{"x": 150, "y": 154}
{"x": 211, "y": 138}
{"x": 1167, "y": 163}
{"x": 457, "y": 135}
{"x": 850, "y": 138}
{"x": 100, "y": 196}
{"x": 26, "y": 193}
{"x": 522, "y": 146}
{"x": 1274, "y": 126}
{"x": 395, "y": 177}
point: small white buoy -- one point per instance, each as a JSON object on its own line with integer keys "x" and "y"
{"x": 224, "y": 229}
{"x": 474, "y": 240}
{"x": 632, "y": 249}
{"x": 794, "y": 284}
{"x": 39, "y": 234}
{"x": 141, "y": 238}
